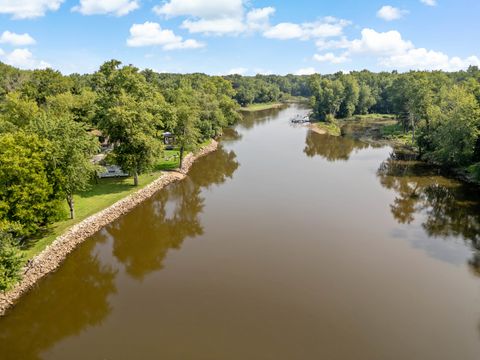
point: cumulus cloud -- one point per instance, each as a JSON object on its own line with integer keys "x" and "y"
{"x": 331, "y": 58}
{"x": 28, "y": 9}
{"x": 423, "y": 59}
{"x": 11, "y": 38}
{"x": 429, "y": 2}
{"x": 151, "y": 34}
{"x": 306, "y": 71}
{"x": 208, "y": 9}
{"x": 216, "y": 17}
{"x": 259, "y": 19}
{"x": 380, "y": 43}
{"x": 214, "y": 26}
{"x": 24, "y": 59}
{"x": 327, "y": 27}
{"x": 392, "y": 51}
{"x": 389, "y": 13}
{"x": 115, "y": 7}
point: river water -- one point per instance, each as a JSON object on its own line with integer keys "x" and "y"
{"x": 284, "y": 244}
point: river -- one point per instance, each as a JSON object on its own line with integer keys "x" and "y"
{"x": 283, "y": 244}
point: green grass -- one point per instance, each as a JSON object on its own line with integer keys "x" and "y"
{"x": 330, "y": 128}
{"x": 373, "y": 117}
{"x": 100, "y": 196}
{"x": 260, "y": 107}
{"x": 395, "y": 133}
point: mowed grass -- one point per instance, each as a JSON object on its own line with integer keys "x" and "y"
{"x": 260, "y": 107}
{"x": 100, "y": 196}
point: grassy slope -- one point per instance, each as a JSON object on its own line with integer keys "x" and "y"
{"x": 260, "y": 107}
{"x": 329, "y": 128}
{"x": 99, "y": 197}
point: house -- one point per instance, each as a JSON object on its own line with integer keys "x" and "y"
{"x": 168, "y": 140}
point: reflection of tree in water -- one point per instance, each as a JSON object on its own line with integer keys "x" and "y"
{"x": 250, "y": 119}
{"x": 143, "y": 237}
{"x": 62, "y": 306}
{"x": 450, "y": 207}
{"x": 332, "y": 148}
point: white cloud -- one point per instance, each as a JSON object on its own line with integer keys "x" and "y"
{"x": 214, "y": 26}
{"x": 259, "y": 19}
{"x": 115, "y": 7}
{"x": 306, "y": 71}
{"x": 238, "y": 70}
{"x": 151, "y": 34}
{"x": 331, "y": 58}
{"x": 429, "y": 2}
{"x": 389, "y": 13}
{"x": 284, "y": 31}
{"x": 208, "y": 9}
{"x": 8, "y": 37}
{"x": 2, "y": 52}
{"x": 392, "y": 51}
{"x": 327, "y": 27}
{"x": 423, "y": 59}
{"x": 28, "y": 9}
{"x": 24, "y": 59}
{"x": 380, "y": 43}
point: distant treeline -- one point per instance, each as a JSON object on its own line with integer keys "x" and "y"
{"x": 49, "y": 126}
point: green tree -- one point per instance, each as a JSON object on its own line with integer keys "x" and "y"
{"x": 11, "y": 261}
{"x": 351, "y": 93}
{"x": 455, "y": 131}
{"x": 73, "y": 148}
{"x": 365, "y": 99}
{"x": 27, "y": 196}
{"x": 186, "y": 133}
{"x": 17, "y": 110}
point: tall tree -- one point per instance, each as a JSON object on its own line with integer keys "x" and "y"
{"x": 73, "y": 149}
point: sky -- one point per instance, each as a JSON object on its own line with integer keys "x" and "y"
{"x": 247, "y": 37}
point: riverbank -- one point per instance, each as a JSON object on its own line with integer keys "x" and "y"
{"x": 54, "y": 254}
{"x": 262, "y": 107}
{"x": 381, "y": 129}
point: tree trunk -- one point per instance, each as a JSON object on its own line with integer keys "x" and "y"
{"x": 135, "y": 178}
{"x": 181, "y": 156}
{"x": 71, "y": 206}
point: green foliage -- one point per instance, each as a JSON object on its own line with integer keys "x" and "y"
{"x": 71, "y": 156}
{"x": 454, "y": 132}
{"x": 27, "y": 195}
{"x": 11, "y": 261}
{"x": 18, "y": 111}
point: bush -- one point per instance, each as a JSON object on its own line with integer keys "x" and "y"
{"x": 330, "y": 119}
{"x": 11, "y": 262}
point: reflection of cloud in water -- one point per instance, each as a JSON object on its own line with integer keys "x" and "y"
{"x": 447, "y": 211}
{"x": 447, "y": 249}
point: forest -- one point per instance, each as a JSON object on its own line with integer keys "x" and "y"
{"x": 49, "y": 126}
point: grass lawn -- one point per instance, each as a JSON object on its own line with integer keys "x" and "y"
{"x": 97, "y": 198}
{"x": 260, "y": 107}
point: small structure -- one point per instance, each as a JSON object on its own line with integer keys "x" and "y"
{"x": 301, "y": 119}
{"x": 168, "y": 140}
{"x": 113, "y": 171}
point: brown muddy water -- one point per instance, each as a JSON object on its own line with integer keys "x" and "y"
{"x": 284, "y": 244}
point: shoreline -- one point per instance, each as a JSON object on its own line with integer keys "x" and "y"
{"x": 53, "y": 255}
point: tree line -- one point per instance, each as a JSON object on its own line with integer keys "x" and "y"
{"x": 441, "y": 110}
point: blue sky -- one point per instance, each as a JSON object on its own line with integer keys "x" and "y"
{"x": 238, "y": 36}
